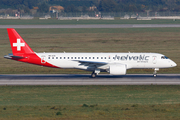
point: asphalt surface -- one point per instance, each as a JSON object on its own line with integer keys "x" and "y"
{"x": 94, "y": 26}
{"x": 75, "y": 79}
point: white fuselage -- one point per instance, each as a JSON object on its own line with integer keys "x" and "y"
{"x": 83, "y": 60}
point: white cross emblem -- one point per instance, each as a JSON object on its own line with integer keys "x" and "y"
{"x": 18, "y": 45}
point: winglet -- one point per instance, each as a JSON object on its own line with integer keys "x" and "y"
{"x": 18, "y": 45}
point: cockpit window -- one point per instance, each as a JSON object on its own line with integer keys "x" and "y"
{"x": 164, "y": 57}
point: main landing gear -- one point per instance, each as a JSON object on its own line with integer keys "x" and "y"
{"x": 95, "y": 73}
{"x": 155, "y": 72}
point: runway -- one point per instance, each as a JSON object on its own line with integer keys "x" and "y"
{"x": 94, "y": 26}
{"x": 74, "y": 79}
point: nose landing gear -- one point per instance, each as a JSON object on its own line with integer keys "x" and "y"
{"x": 155, "y": 72}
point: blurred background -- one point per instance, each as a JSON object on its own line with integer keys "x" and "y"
{"x": 90, "y": 9}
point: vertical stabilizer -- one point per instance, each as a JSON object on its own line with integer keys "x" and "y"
{"x": 18, "y": 45}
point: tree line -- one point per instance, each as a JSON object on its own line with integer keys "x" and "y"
{"x": 101, "y": 5}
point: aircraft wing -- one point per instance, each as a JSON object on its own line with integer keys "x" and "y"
{"x": 91, "y": 63}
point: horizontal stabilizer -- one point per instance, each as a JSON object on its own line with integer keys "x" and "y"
{"x": 10, "y": 56}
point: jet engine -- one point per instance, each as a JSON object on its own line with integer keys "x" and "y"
{"x": 117, "y": 69}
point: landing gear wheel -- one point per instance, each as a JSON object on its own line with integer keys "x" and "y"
{"x": 154, "y": 75}
{"x": 93, "y": 75}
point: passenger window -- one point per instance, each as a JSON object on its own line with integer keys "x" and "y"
{"x": 60, "y": 57}
{"x": 64, "y": 57}
{"x": 104, "y": 57}
{"x": 89, "y": 57}
{"x": 101, "y": 57}
{"x": 78, "y": 57}
{"x": 82, "y": 58}
{"x": 93, "y": 57}
{"x": 52, "y": 57}
{"x": 85, "y": 57}
{"x": 97, "y": 57}
{"x": 71, "y": 57}
{"x": 56, "y": 57}
{"x": 74, "y": 57}
{"x": 48, "y": 57}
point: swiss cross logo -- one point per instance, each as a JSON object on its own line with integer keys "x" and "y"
{"x": 18, "y": 45}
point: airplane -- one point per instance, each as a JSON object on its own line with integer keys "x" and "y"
{"x": 113, "y": 63}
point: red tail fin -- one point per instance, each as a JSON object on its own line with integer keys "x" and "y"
{"x": 18, "y": 45}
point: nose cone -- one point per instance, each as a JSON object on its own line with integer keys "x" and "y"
{"x": 173, "y": 64}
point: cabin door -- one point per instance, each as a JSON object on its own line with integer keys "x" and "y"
{"x": 43, "y": 59}
{"x": 154, "y": 59}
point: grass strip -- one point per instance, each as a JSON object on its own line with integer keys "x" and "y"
{"x": 73, "y": 22}
{"x": 90, "y": 102}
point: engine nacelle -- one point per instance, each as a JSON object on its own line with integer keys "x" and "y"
{"x": 117, "y": 69}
